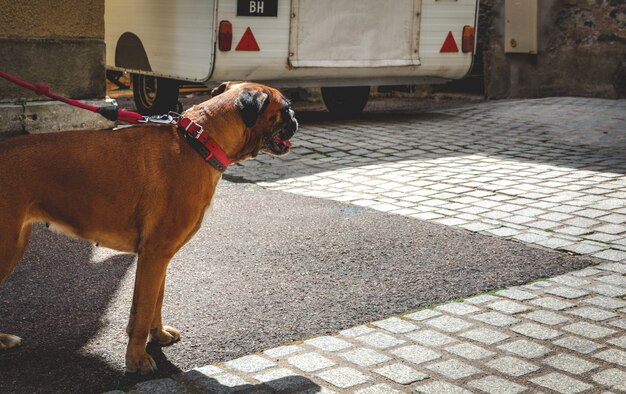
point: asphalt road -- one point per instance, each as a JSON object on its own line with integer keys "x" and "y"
{"x": 265, "y": 269}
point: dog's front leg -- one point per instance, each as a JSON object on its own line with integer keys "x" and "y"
{"x": 149, "y": 280}
{"x": 164, "y": 335}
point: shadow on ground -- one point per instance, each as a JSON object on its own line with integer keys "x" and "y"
{"x": 55, "y": 300}
{"x": 205, "y": 384}
{"x": 555, "y": 133}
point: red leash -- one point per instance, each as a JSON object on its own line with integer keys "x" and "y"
{"x": 44, "y": 90}
{"x": 193, "y": 132}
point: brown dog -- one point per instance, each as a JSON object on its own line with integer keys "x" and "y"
{"x": 140, "y": 190}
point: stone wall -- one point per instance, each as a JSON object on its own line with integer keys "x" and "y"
{"x": 60, "y": 42}
{"x": 581, "y": 51}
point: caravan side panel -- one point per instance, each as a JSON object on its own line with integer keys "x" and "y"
{"x": 168, "y": 38}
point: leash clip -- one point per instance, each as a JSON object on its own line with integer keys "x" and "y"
{"x": 160, "y": 119}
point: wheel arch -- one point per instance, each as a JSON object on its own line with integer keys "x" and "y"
{"x": 131, "y": 54}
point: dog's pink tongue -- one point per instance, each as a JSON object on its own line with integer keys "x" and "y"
{"x": 281, "y": 141}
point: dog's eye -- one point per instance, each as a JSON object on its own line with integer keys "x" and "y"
{"x": 272, "y": 118}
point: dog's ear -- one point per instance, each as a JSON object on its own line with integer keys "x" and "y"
{"x": 224, "y": 86}
{"x": 251, "y": 104}
{"x": 220, "y": 89}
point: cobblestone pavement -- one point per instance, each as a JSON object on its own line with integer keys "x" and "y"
{"x": 548, "y": 172}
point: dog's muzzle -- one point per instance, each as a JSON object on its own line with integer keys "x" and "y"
{"x": 278, "y": 143}
{"x": 290, "y": 127}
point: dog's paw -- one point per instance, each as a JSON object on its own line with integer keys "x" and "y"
{"x": 142, "y": 364}
{"x": 8, "y": 341}
{"x": 165, "y": 336}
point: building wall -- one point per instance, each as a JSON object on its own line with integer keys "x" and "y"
{"x": 59, "y": 42}
{"x": 581, "y": 51}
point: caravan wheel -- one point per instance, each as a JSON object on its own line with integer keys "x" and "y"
{"x": 346, "y": 101}
{"x": 154, "y": 95}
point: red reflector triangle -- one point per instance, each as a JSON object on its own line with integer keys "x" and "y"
{"x": 449, "y": 45}
{"x": 248, "y": 42}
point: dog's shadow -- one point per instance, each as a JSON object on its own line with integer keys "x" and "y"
{"x": 281, "y": 381}
{"x": 55, "y": 299}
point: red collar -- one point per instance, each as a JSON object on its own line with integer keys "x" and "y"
{"x": 203, "y": 144}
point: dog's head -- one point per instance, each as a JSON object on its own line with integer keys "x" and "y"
{"x": 267, "y": 115}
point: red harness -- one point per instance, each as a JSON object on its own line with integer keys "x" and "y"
{"x": 197, "y": 137}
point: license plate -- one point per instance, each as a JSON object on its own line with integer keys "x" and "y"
{"x": 257, "y": 7}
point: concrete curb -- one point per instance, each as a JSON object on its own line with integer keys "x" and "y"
{"x": 46, "y": 116}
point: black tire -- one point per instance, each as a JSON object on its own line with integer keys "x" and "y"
{"x": 346, "y": 101}
{"x": 154, "y": 95}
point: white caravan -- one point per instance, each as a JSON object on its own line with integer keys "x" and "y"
{"x": 342, "y": 46}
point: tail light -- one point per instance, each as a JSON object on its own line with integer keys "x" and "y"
{"x": 468, "y": 39}
{"x": 225, "y": 37}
